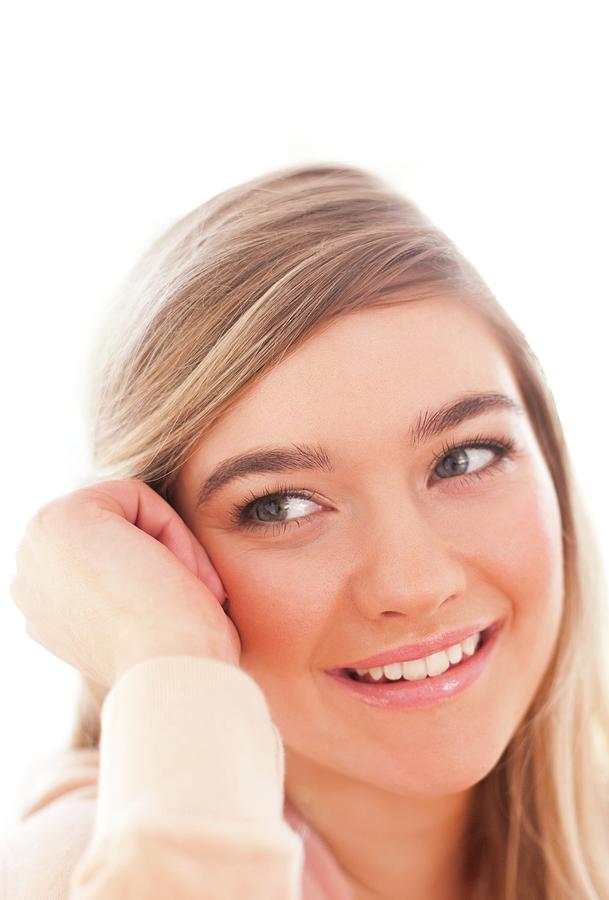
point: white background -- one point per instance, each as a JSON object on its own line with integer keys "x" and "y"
{"x": 121, "y": 117}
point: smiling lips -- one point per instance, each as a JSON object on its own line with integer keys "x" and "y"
{"x": 403, "y": 693}
{"x": 417, "y": 669}
{"x": 423, "y": 649}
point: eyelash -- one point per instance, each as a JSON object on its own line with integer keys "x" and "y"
{"x": 503, "y": 447}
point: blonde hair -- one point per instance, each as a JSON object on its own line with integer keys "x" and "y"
{"x": 222, "y": 297}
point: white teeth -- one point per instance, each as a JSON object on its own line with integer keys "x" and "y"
{"x": 469, "y": 644}
{"x": 455, "y": 654}
{"x": 414, "y": 669}
{"x": 432, "y": 665}
{"x": 393, "y": 671}
{"x": 437, "y": 663}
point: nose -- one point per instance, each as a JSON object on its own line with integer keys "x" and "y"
{"x": 405, "y": 563}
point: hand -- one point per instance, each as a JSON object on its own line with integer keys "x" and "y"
{"x": 110, "y": 574}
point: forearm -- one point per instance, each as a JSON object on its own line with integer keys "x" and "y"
{"x": 190, "y": 789}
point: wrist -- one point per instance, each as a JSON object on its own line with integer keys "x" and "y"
{"x": 170, "y": 648}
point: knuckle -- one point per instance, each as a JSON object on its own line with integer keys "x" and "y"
{"x": 56, "y": 516}
{"x": 45, "y": 517}
{"x": 20, "y": 596}
{"x": 31, "y": 632}
{"x": 14, "y": 589}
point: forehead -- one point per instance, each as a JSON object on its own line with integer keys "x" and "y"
{"x": 377, "y": 365}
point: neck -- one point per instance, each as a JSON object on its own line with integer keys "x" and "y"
{"x": 383, "y": 841}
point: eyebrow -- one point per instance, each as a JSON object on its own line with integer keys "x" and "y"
{"x": 300, "y": 457}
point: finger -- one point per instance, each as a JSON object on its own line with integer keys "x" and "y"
{"x": 206, "y": 571}
{"x": 169, "y": 528}
{"x": 147, "y": 510}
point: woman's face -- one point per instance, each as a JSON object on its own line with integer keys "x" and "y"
{"x": 398, "y": 542}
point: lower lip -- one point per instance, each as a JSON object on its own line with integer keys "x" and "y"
{"x": 428, "y": 690}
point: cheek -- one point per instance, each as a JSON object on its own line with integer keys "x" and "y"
{"x": 276, "y": 604}
{"x": 520, "y": 548}
{"x": 516, "y": 552}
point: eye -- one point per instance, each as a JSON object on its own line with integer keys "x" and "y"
{"x": 456, "y": 459}
{"x": 264, "y": 510}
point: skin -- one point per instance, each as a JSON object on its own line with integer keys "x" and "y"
{"x": 389, "y": 557}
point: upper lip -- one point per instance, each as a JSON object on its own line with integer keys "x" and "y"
{"x": 406, "y": 652}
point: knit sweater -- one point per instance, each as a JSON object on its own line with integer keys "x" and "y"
{"x": 183, "y": 799}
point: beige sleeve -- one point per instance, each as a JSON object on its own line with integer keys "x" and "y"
{"x": 189, "y": 798}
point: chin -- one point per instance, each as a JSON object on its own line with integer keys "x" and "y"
{"x": 437, "y": 773}
{"x": 435, "y": 784}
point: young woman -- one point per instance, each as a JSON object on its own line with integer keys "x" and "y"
{"x": 333, "y": 595}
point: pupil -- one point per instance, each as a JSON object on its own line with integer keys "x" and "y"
{"x": 277, "y": 506}
{"x": 455, "y": 463}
